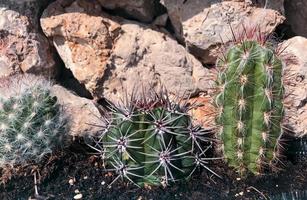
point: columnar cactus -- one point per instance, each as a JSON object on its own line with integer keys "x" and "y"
{"x": 32, "y": 124}
{"x": 250, "y": 106}
{"x": 152, "y": 142}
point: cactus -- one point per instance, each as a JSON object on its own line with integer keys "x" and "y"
{"x": 152, "y": 142}
{"x": 32, "y": 124}
{"x": 250, "y": 106}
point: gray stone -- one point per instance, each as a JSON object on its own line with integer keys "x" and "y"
{"x": 84, "y": 116}
{"x": 141, "y": 10}
{"x": 205, "y": 25}
{"x": 296, "y": 16}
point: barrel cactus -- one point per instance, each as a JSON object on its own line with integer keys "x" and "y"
{"x": 250, "y": 106}
{"x": 151, "y": 141}
{"x": 32, "y": 124}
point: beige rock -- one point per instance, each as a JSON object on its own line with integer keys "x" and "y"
{"x": 296, "y": 17}
{"x": 277, "y": 5}
{"x": 205, "y": 25}
{"x": 145, "y": 58}
{"x": 204, "y": 112}
{"x": 83, "y": 38}
{"x": 22, "y": 46}
{"x": 84, "y": 116}
{"x": 296, "y": 85}
{"x": 112, "y": 59}
{"x": 142, "y": 10}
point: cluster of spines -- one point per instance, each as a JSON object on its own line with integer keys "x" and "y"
{"x": 152, "y": 141}
{"x": 32, "y": 124}
{"x": 250, "y": 108}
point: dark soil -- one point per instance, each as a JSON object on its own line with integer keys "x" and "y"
{"x": 92, "y": 182}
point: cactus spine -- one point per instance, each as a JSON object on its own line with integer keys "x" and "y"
{"x": 250, "y": 107}
{"x": 152, "y": 142}
{"x": 31, "y": 122}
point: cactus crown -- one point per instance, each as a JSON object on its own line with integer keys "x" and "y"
{"x": 31, "y": 122}
{"x": 152, "y": 141}
{"x": 250, "y": 106}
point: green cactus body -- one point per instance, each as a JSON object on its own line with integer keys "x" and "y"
{"x": 31, "y": 124}
{"x": 250, "y": 106}
{"x": 153, "y": 146}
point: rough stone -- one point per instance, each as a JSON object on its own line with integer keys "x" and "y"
{"x": 295, "y": 11}
{"x": 296, "y": 84}
{"x": 83, "y": 38}
{"x": 203, "y": 112}
{"x": 144, "y": 57}
{"x": 277, "y": 5}
{"x": 205, "y": 25}
{"x": 84, "y": 116}
{"x": 113, "y": 57}
{"x": 22, "y": 46}
{"x": 141, "y": 10}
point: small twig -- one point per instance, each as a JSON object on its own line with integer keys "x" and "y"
{"x": 35, "y": 185}
{"x": 251, "y": 187}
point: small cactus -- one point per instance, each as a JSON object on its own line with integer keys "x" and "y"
{"x": 250, "y": 106}
{"x": 32, "y": 124}
{"x": 152, "y": 142}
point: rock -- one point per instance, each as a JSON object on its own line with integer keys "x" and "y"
{"x": 204, "y": 112}
{"x": 161, "y": 20}
{"x": 141, "y": 10}
{"x": 113, "y": 57}
{"x": 22, "y": 47}
{"x": 295, "y": 11}
{"x": 145, "y": 58}
{"x": 203, "y": 25}
{"x": 83, "y": 38}
{"x": 296, "y": 84}
{"x": 277, "y": 5}
{"x": 84, "y": 116}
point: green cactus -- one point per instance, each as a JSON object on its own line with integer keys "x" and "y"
{"x": 152, "y": 142}
{"x": 250, "y": 106}
{"x": 32, "y": 124}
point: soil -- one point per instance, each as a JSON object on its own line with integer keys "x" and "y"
{"x": 76, "y": 172}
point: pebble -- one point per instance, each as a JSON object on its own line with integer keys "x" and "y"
{"x": 103, "y": 183}
{"x": 85, "y": 177}
{"x": 77, "y": 191}
{"x": 78, "y": 196}
{"x": 238, "y": 179}
{"x": 71, "y": 181}
{"x": 241, "y": 193}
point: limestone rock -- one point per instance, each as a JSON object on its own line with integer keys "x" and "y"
{"x": 22, "y": 46}
{"x": 83, "y": 38}
{"x": 144, "y": 57}
{"x": 296, "y": 85}
{"x": 296, "y": 16}
{"x": 84, "y": 116}
{"x": 205, "y": 25}
{"x": 113, "y": 57}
